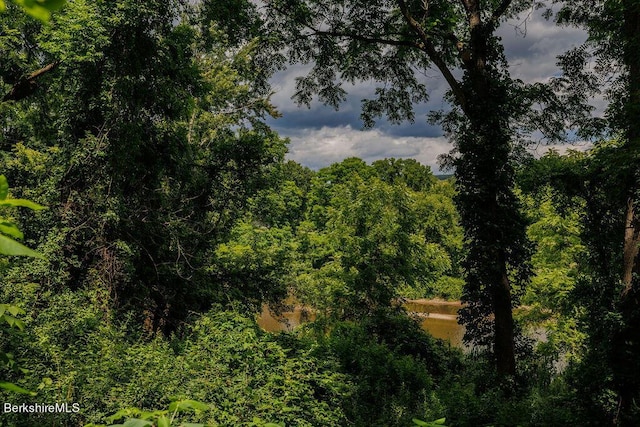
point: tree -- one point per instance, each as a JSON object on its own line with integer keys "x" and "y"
{"x": 391, "y": 42}
{"x": 146, "y": 145}
{"x": 613, "y": 184}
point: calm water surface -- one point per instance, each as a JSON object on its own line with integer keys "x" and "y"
{"x": 437, "y": 317}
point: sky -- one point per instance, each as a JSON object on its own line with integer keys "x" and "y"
{"x": 320, "y": 135}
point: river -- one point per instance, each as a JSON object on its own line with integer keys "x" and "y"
{"x": 438, "y": 317}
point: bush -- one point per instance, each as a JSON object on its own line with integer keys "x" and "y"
{"x": 224, "y": 360}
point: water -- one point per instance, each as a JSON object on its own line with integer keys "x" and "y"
{"x": 437, "y": 317}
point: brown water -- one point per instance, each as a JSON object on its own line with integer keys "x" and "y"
{"x": 438, "y": 317}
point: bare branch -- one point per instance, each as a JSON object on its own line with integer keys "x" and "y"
{"x": 27, "y": 85}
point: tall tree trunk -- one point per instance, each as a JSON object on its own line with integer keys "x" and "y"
{"x": 632, "y": 60}
{"x": 488, "y": 153}
{"x": 504, "y": 345}
{"x": 631, "y": 260}
{"x": 626, "y": 341}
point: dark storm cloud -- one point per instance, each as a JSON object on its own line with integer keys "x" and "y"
{"x": 320, "y": 135}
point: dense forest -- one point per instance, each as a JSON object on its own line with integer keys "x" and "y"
{"x": 149, "y": 214}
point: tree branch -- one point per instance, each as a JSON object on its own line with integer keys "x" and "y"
{"x": 434, "y": 55}
{"x": 27, "y": 85}
{"x": 499, "y": 13}
{"x": 391, "y": 42}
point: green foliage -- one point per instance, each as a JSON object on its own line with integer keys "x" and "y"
{"x": 556, "y": 232}
{"x": 365, "y": 244}
{"x": 164, "y": 418}
{"x": 9, "y": 313}
{"x": 438, "y": 422}
{"x": 223, "y": 360}
{"x": 153, "y": 145}
{"x": 9, "y": 230}
{"x": 396, "y": 368}
{"x": 169, "y": 198}
{"x": 39, "y": 9}
{"x": 590, "y": 319}
{"x": 251, "y": 267}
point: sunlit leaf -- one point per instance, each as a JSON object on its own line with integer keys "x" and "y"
{"x": 22, "y": 203}
{"x": 182, "y": 405}
{"x": 127, "y": 412}
{"x": 164, "y": 422}
{"x": 14, "y": 310}
{"x": 35, "y": 9}
{"x": 40, "y": 9}
{"x": 136, "y": 422}
{"x": 4, "y": 184}
{"x": 14, "y": 388}
{"x": 11, "y": 229}
{"x": 10, "y": 247}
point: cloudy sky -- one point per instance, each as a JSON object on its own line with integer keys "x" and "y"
{"x": 320, "y": 135}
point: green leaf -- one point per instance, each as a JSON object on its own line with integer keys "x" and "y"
{"x": 11, "y": 229}
{"x": 122, "y": 413}
{"x": 163, "y": 422}
{"x": 2, "y": 6}
{"x": 14, "y": 388}
{"x": 13, "y": 322}
{"x": 191, "y": 425}
{"x": 53, "y": 5}
{"x": 11, "y": 247}
{"x": 137, "y": 422}
{"x": 4, "y": 184}
{"x": 181, "y": 405}
{"x": 438, "y": 422}
{"x": 14, "y": 310}
{"x": 22, "y": 203}
{"x": 40, "y": 9}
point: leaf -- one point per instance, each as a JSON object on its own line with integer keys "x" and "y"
{"x": 137, "y": 422}
{"x": 14, "y": 388}
{"x": 438, "y": 422}
{"x": 14, "y": 310}
{"x": 13, "y": 322}
{"x": 53, "y": 5}
{"x": 163, "y": 422}
{"x": 39, "y": 9}
{"x": 122, "y": 413}
{"x": 4, "y": 184}
{"x": 11, "y": 229}
{"x": 11, "y": 247}
{"x": 35, "y": 9}
{"x": 22, "y": 203}
{"x": 181, "y": 405}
